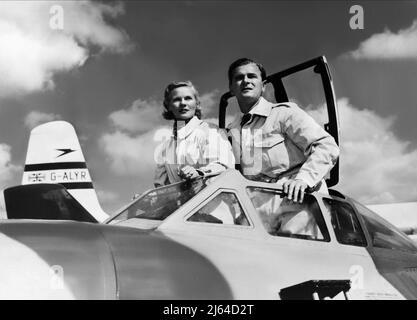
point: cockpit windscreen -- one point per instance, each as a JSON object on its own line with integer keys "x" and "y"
{"x": 158, "y": 204}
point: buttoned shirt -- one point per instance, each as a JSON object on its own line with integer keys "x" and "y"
{"x": 281, "y": 140}
{"x": 198, "y": 144}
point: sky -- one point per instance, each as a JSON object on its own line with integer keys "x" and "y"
{"x": 103, "y": 67}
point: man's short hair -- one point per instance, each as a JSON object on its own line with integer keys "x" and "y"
{"x": 168, "y": 115}
{"x": 243, "y": 62}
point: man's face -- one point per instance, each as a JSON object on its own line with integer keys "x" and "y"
{"x": 182, "y": 103}
{"x": 247, "y": 86}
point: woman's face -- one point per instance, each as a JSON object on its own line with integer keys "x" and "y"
{"x": 182, "y": 103}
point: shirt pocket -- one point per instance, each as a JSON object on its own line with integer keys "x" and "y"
{"x": 274, "y": 152}
{"x": 268, "y": 140}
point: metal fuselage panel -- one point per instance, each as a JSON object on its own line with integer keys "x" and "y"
{"x": 257, "y": 265}
{"x": 54, "y": 260}
{"x": 260, "y": 269}
{"x": 100, "y": 262}
{"x": 399, "y": 268}
{"x": 150, "y": 266}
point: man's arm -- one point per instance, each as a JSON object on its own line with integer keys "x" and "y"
{"x": 318, "y": 146}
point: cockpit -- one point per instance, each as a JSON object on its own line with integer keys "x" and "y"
{"x": 278, "y": 216}
{"x": 255, "y": 209}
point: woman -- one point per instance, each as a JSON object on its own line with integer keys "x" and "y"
{"x": 195, "y": 148}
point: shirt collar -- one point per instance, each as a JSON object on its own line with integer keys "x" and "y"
{"x": 189, "y": 127}
{"x": 261, "y": 108}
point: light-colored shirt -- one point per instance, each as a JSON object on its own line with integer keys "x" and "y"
{"x": 281, "y": 139}
{"x": 200, "y": 145}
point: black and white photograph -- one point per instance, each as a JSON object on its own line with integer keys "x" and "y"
{"x": 209, "y": 151}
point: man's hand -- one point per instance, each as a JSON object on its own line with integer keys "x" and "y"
{"x": 188, "y": 173}
{"x": 295, "y": 189}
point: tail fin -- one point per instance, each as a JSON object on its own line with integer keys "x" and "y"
{"x": 54, "y": 155}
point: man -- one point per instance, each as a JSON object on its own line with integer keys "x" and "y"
{"x": 277, "y": 142}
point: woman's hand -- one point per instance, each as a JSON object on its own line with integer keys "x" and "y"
{"x": 188, "y": 173}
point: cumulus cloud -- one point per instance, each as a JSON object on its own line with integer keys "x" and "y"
{"x": 34, "y": 47}
{"x": 137, "y": 131}
{"x": 375, "y": 165}
{"x": 144, "y": 115}
{"x": 106, "y": 196}
{"x": 8, "y": 171}
{"x": 210, "y": 100}
{"x": 132, "y": 154}
{"x": 141, "y": 116}
{"x": 35, "y": 118}
{"x": 389, "y": 45}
